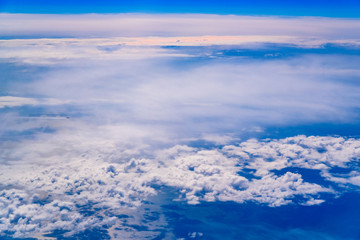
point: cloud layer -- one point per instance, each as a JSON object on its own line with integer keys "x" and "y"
{"x": 166, "y": 25}
{"x": 169, "y": 91}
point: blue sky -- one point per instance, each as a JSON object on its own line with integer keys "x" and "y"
{"x": 329, "y": 8}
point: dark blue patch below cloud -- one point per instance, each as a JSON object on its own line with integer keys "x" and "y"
{"x": 335, "y": 219}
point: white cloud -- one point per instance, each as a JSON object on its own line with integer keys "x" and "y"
{"x": 240, "y": 95}
{"x": 119, "y": 36}
{"x": 134, "y": 109}
{"x": 321, "y": 153}
{"x": 218, "y": 139}
{"x": 49, "y": 51}
{"x": 10, "y": 101}
{"x": 49, "y": 178}
{"x": 106, "y": 81}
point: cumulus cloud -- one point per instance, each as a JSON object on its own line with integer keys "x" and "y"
{"x": 84, "y": 171}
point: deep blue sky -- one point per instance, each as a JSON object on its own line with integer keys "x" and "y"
{"x": 329, "y": 8}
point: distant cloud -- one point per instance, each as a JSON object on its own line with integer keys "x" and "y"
{"x": 174, "y": 25}
{"x": 10, "y": 101}
{"x": 50, "y": 51}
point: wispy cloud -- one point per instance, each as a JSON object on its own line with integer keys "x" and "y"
{"x": 301, "y": 89}
{"x": 167, "y": 25}
{"x": 12, "y": 101}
